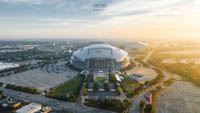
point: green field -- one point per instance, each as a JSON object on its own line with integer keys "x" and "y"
{"x": 101, "y": 79}
{"x": 188, "y": 71}
{"x": 72, "y": 86}
{"x": 154, "y": 99}
{"x": 128, "y": 85}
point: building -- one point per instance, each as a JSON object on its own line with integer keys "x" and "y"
{"x": 139, "y": 78}
{"x": 100, "y": 57}
{"x": 31, "y": 108}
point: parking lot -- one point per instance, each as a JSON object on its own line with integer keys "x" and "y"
{"x": 42, "y": 79}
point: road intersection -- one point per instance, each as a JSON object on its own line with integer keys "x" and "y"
{"x": 56, "y": 104}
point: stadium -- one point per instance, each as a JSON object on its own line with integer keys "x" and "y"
{"x": 100, "y": 57}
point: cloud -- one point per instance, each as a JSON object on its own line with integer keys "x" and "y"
{"x": 23, "y": 1}
{"x": 131, "y": 6}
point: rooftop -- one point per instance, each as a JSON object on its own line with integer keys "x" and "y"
{"x": 100, "y": 51}
{"x": 30, "y": 107}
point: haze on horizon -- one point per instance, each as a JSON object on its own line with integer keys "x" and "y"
{"x": 130, "y": 19}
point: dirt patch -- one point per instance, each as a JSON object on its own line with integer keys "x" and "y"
{"x": 181, "y": 97}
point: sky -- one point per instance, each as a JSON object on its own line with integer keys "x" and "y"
{"x": 124, "y": 19}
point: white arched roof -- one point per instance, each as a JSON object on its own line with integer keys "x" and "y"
{"x": 100, "y": 51}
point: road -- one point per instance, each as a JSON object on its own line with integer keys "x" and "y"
{"x": 148, "y": 56}
{"x": 56, "y": 104}
{"x": 135, "y": 105}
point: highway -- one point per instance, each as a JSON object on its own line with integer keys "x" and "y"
{"x": 56, "y": 104}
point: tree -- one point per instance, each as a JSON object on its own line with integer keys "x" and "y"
{"x": 96, "y": 86}
{"x": 159, "y": 87}
{"x": 142, "y": 103}
{"x": 118, "y": 91}
{"x": 106, "y": 86}
{"x": 85, "y": 91}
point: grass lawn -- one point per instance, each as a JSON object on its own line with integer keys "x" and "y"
{"x": 128, "y": 84}
{"x": 72, "y": 86}
{"x": 101, "y": 79}
{"x": 154, "y": 99}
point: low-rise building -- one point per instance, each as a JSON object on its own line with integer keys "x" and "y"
{"x": 31, "y": 108}
{"x": 138, "y": 78}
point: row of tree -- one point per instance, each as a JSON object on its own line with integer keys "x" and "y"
{"x": 67, "y": 97}
{"x": 145, "y": 108}
{"x": 158, "y": 79}
{"x": 23, "y": 89}
{"x": 142, "y": 62}
{"x": 129, "y": 67}
{"x": 112, "y": 78}
{"x": 109, "y": 104}
{"x": 90, "y": 78}
{"x": 73, "y": 68}
{"x": 169, "y": 82}
{"x": 106, "y": 87}
{"x": 188, "y": 71}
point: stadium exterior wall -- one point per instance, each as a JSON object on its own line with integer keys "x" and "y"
{"x": 100, "y": 57}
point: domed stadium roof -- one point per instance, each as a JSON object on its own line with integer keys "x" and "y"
{"x": 100, "y": 51}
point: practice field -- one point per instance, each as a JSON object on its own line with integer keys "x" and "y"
{"x": 72, "y": 86}
{"x": 101, "y": 79}
{"x": 42, "y": 79}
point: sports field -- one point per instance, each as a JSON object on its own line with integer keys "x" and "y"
{"x": 101, "y": 79}
{"x": 72, "y": 86}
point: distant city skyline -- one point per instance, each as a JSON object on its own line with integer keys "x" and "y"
{"x": 121, "y": 19}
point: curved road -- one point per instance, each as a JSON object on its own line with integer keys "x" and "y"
{"x": 134, "y": 107}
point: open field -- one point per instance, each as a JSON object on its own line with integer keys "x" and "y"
{"x": 181, "y": 97}
{"x": 128, "y": 85}
{"x": 185, "y": 60}
{"x": 185, "y": 65}
{"x": 183, "y": 52}
{"x": 72, "y": 86}
{"x": 42, "y": 79}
